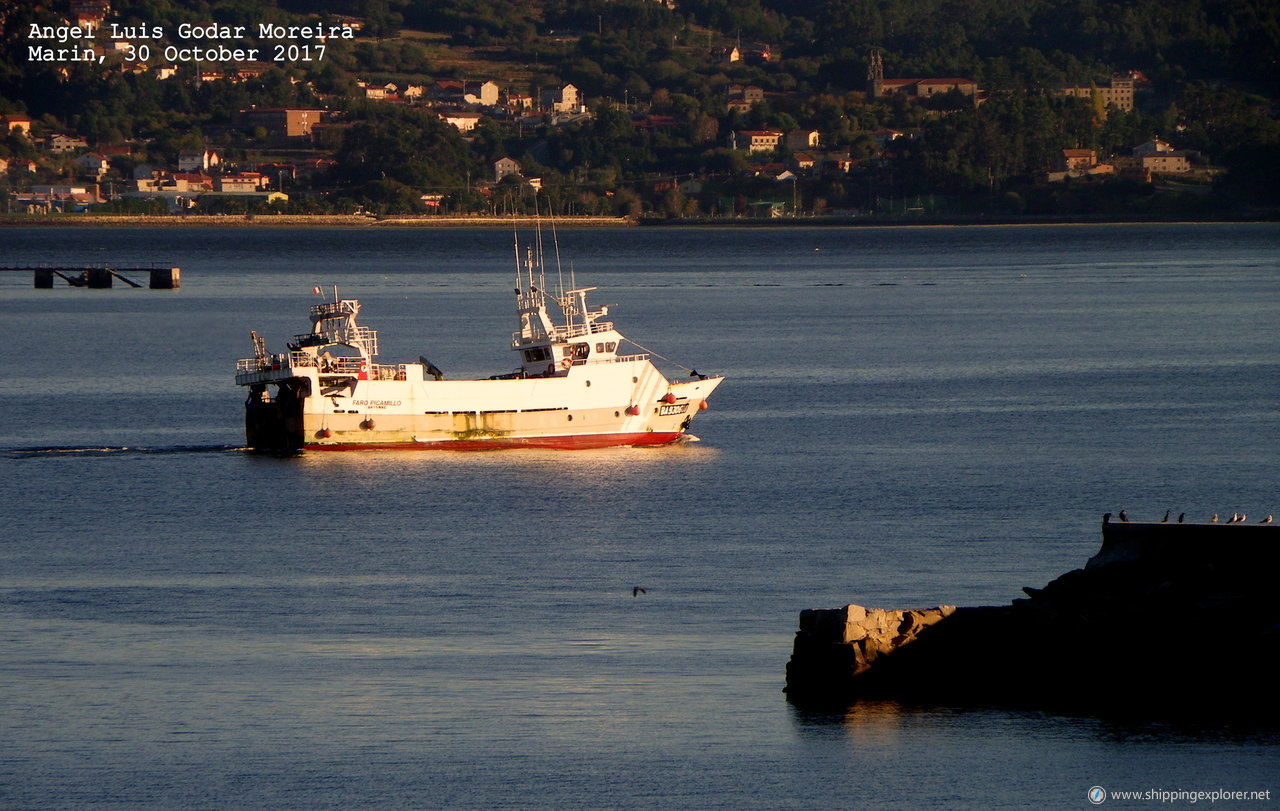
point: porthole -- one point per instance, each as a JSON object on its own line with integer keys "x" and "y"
{"x": 570, "y": 418}
{"x": 588, "y": 384}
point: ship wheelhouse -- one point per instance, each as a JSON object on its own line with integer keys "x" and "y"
{"x": 337, "y": 346}
{"x": 548, "y": 349}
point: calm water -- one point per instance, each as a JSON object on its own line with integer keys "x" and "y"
{"x": 912, "y": 417}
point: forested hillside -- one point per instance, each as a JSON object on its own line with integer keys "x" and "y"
{"x": 660, "y": 93}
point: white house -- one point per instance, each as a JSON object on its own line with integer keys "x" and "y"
{"x": 243, "y": 183}
{"x": 198, "y": 160}
{"x": 803, "y": 139}
{"x": 465, "y": 122}
{"x": 486, "y": 97}
{"x": 1151, "y": 147}
{"x": 57, "y": 142}
{"x": 16, "y": 122}
{"x": 505, "y": 166}
{"x": 564, "y": 99}
{"x": 1159, "y": 156}
{"x": 755, "y": 140}
{"x": 93, "y": 164}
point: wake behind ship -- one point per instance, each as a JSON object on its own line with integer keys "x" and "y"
{"x": 572, "y": 389}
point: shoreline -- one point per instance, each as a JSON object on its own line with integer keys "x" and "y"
{"x": 439, "y": 221}
{"x": 950, "y": 222}
{"x": 295, "y": 221}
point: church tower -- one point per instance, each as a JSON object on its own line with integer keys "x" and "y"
{"x": 875, "y": 76}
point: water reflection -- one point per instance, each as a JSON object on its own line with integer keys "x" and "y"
{"x": 878, "y": 722}
{"x": 882, "y": 722}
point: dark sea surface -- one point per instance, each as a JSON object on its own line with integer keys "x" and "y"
{"x": 912, "y": 417}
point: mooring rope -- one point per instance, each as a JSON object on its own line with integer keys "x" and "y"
{"x": 664, "y": 357}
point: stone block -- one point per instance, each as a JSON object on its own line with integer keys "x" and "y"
{"x": 854, "y": 613}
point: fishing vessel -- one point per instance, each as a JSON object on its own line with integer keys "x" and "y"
{"x": 573, "y": 386}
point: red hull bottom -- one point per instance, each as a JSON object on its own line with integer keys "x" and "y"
{"x": 571, "y": 443}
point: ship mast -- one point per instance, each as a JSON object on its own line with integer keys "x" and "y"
{"x": 531, "y": 306}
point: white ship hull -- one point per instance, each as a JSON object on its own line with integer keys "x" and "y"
{"x": 592, "y": 406}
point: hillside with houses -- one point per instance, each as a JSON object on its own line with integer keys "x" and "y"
{"x": 671, "y": 109}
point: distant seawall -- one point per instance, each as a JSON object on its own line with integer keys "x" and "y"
{"x": 1180, "y": 618}
{"x": 447, "y": 221}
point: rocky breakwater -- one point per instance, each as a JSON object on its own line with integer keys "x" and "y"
{"x": 1166, "y": 617}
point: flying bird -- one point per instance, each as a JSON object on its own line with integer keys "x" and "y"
{"x": 637, "y": 591}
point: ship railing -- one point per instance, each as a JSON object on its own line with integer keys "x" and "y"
{"x": 342, "y": 365}
{"x": 339, "y": 364}
{"x": 365, "y": 337}
{"x": 368, "y": 338}
{"x": 330, "y": 309}
{"x": 348, "y": 365}
{"x": 388, "y": 372}
{"x": 268, "y": 363}
{"x": 578, "y": 330}
{"x": 618, "y": 359}
{"x": 336, "y": 364}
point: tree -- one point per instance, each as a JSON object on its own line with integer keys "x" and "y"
{"x": 406, "y": 146}
{"x": 388, "y": 196}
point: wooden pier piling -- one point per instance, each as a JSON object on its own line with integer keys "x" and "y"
{"x": 166, "y": 278}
